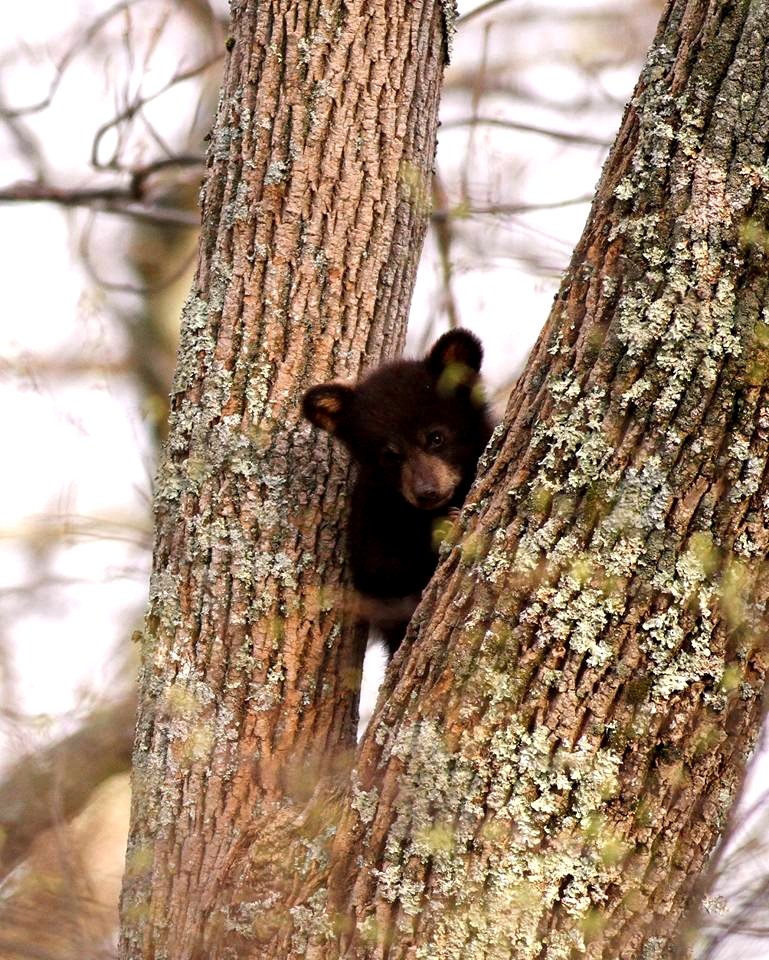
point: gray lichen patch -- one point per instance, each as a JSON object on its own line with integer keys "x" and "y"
{"x": 277, "y": 172}
{"x": 362, "y": 801}
{"x": 258, "y": 390}
{"x": 196, "y": 346}
{"x": 450, "y": 14}
{"x": 678, "y": 665}
{"x": 264, "y": 696}
{"x": 310, "y": 923}
{"x": 582, "y": 615}
{"x": 575, "y": 431}
{"x": 164, "y": 599}
{"x": 501, "y": 791}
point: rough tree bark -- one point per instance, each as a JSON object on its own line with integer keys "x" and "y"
{"x": 561, "y": 734}
{"x": 553, "y": 761}
{"x": 313, "y": 215}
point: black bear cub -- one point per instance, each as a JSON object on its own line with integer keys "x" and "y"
{"x": 416, "y": 429}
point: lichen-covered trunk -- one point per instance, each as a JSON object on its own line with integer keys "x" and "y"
{"x": 314, "y": 211}
{"x": 560, "y": 739}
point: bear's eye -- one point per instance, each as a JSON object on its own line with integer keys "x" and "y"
{"x": 435, "y": 439}
{"x": 390, "y": 455}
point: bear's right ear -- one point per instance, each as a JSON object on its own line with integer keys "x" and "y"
{"x": 327, "y": 404}
{"x": 456, "y": 347}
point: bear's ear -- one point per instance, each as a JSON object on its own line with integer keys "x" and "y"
{"x": 455, "y": 347}
{"x": 327, "y": 404}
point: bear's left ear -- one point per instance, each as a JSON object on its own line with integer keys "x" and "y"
{"x": 455, "y": 347}
{"x": 327, "y": 404}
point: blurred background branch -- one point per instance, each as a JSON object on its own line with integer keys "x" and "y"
{"x": 52, "y": 785}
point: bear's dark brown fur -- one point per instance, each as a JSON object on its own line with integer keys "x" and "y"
{"x": 416, "y": 429}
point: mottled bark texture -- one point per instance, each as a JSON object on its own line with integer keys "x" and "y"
{"x": 313, "y": 214}
{"x": 560, "y": 739}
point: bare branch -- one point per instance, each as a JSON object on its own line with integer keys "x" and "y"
{"x": 135, "y": 107}
{"x": 509, "y": 209}
{"x": 479, "y": 11}
{"x": 444, "y": 236}
{"x": 141, "y": 289}
{"x": 69, "y": 55}
{"x": 117, "y": 200}
{"x": 75, "y": 527}
{"x": 578, "y": 138}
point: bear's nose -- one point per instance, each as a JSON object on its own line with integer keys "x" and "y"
{"x": 428, "y": 497}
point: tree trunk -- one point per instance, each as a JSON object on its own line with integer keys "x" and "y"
{"x": 560, "y": 736}
{"x": 553, "y": 761}
{"x": 313, "y": 216}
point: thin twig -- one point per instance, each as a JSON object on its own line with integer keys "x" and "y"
{"x": 578, "y": 138}
{"x": 136, "y": 105}
{"x": 69, "y": 55}
{"x": 479, "y": 11}
{"x": 510, "y": 209}
{"x": 444, "y": 236}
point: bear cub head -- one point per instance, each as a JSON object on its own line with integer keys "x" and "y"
{"x": 414, "y": 426}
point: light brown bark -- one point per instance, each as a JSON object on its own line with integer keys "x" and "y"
{"x": 313, "y": 214}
